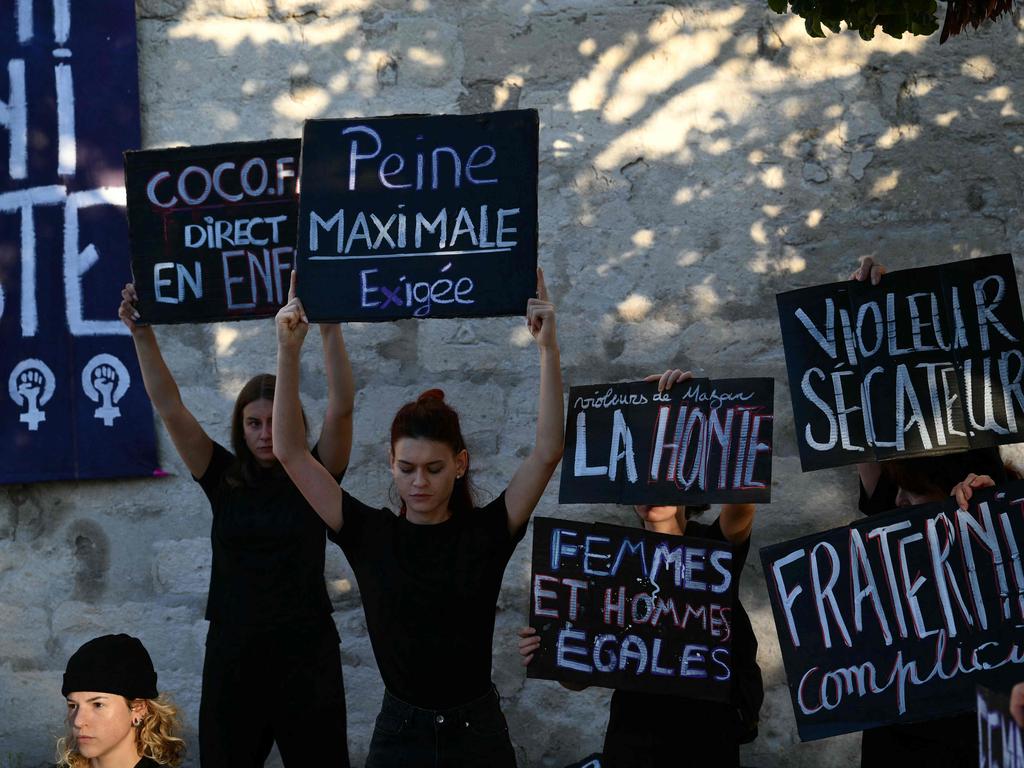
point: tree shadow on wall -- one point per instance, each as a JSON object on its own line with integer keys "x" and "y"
{"x": 696, "y": 158}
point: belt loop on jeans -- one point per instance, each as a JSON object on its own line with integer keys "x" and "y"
{"x": 440, "y": 716}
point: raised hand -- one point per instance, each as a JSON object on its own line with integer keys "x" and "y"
{"x": 291, "y": 320}
{"x": 127, "y": 311}
{"x": 869, "y": 269}
{"x": 966, "y": 487}
{"x": 529, "y": 642}
{"x": 668, "y": 378}
{"x": 540, "y": 315}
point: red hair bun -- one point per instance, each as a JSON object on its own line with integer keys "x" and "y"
{"x": 431, "y": 394}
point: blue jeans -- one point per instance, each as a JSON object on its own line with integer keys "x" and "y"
{"x": 473, "y": 735}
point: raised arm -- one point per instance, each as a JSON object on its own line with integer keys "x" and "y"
{"x": 190, "y": 440}
{"x": 289, "y": 434}
{"x": 530, "y": 480}
{"x": 335, "y": 443}
{"x": 870, "y": 473}
{"x": 869, "y": 270}
{"x": 736, "y": 522}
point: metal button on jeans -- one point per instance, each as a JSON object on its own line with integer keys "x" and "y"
{"x": 440, "y": 719}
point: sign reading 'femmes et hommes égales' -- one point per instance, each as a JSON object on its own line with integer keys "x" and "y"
{"x": 418, "y": 216}
{"x": 628, "y": 608}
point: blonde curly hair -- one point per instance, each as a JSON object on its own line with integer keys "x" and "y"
{"x": 156, "y": 737}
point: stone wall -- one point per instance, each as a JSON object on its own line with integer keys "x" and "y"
{"x": 695, "y": 159}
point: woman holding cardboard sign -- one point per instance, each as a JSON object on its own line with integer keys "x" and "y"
{"x": 903, "y": 483}
{"x": 271, "y": 634}
{"x": 647, "y": 730}
{"x": 429, "y": 575}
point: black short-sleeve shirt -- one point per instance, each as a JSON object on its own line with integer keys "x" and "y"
{"x": 664, "y": 717}
{"x": 268, "y": 551}
{"x": 429, "y": 593}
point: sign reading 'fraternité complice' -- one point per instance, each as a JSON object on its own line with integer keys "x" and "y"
{"x": 929, "y": 361}
{"x": 418, "y": 216}
{"x": 703, "y": 441}
{"x": 627, "y": 608}
{"x": 897, "y": 617}
{"x": 212, "y": 229}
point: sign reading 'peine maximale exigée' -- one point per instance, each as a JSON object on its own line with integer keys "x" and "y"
{"x": 418, "y": 216}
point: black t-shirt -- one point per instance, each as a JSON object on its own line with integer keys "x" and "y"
{"x": 943, "y": 741}
{"x": 664, "y": 714}
{"x": 429, "y": 593}
{"x": 881, "y": 500}
{"x": 268, "y": 551}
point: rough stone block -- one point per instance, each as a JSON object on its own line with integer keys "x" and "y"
{"x": 182, "y": 566}
{"x": 161, "y": 629}
{"x": 25, "y": 633}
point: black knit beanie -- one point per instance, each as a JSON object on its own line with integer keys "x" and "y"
{"x": 112, "y": 664}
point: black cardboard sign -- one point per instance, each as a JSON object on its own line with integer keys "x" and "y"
{"x": 213, "y": 229}
{"x": 898, "y": 617}
{"x": 703, "y": 441}
{"x": 1000, "y": 739}
{"x": 626, "y": 608}
{"x": 419, "y": 216}
{"x": 929, "y": 361}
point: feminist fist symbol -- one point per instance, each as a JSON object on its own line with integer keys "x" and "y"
{"x": 31, "y": 386}
{"x": 105, "y": 380}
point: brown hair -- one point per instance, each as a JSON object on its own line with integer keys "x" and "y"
{"x": 246, "y": 470}
{"x": 157, "y": 737}
{"x": 429, "y": 417}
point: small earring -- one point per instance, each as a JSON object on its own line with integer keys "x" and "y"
{"x": 136, "y": 722}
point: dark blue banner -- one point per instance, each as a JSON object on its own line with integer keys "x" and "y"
{"x": 72, "y": 404}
